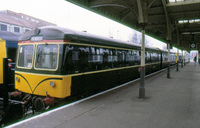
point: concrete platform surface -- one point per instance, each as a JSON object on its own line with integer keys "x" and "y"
{"x": 170, "y": 103}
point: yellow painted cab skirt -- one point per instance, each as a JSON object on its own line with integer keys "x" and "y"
{"x": 43, "y": 84}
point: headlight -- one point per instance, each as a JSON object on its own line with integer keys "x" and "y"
{"x": 52, "y": 84}
{"x": 17, "y": 79}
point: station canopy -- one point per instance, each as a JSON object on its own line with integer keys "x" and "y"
{"x": 174, "y": 21}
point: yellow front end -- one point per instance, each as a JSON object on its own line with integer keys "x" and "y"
{"x": 2, "y": 55}
{"x": 57, "y": 86}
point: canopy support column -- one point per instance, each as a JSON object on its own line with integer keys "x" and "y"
{"x": 182, "y": 60}
{"x": 178, "y": 42}
{"x": 142, "y": 19}
{"x": 168, "y": 69}
{"x": 177, "y": 59}
{"x": 142, "y": 68}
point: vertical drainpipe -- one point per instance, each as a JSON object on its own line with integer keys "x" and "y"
{"x": 168, "y": 69}
{"x": 142, "y": 67}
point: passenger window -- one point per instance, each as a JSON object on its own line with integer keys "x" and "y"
{"x": 75, "y": 55}
{"x": 114, "y": 56}
{"x": 110, "y": 58}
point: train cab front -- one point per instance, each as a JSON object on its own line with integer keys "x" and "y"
{"x": 38, "y": 72}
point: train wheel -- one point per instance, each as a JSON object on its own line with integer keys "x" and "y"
{"x": 39, "y": 104}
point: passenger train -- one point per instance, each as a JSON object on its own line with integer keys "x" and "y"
{"x": 8, "y": 49}
{"x": 55, "y": 63}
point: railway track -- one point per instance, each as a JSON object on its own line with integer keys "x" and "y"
{"x": 1, "y": 108}
{"x": 12, "y": 111}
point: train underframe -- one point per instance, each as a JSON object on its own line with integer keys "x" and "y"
{"x": 86, "y": 85}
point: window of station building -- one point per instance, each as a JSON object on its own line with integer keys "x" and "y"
{"x": 182, "y": 21}
{"x": 189, "y": 21}
{"x": 176, "y": 1}
{"x": 26, "y": 30}
{"x": 197, "y": 20}
{"x": 185, "y": 21}
{"x": 4, "y": 27}
{"x": 16, "y": 29}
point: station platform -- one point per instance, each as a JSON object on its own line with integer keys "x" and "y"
{"x": 169, "y": 103}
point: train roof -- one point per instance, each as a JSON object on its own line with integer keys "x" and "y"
{"x": 9, "y": 36}
{"x": 59, "y": 33}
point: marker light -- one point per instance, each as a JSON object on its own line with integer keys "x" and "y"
{"x": 17, "y": 79}
{"x": 52, "y": 84}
